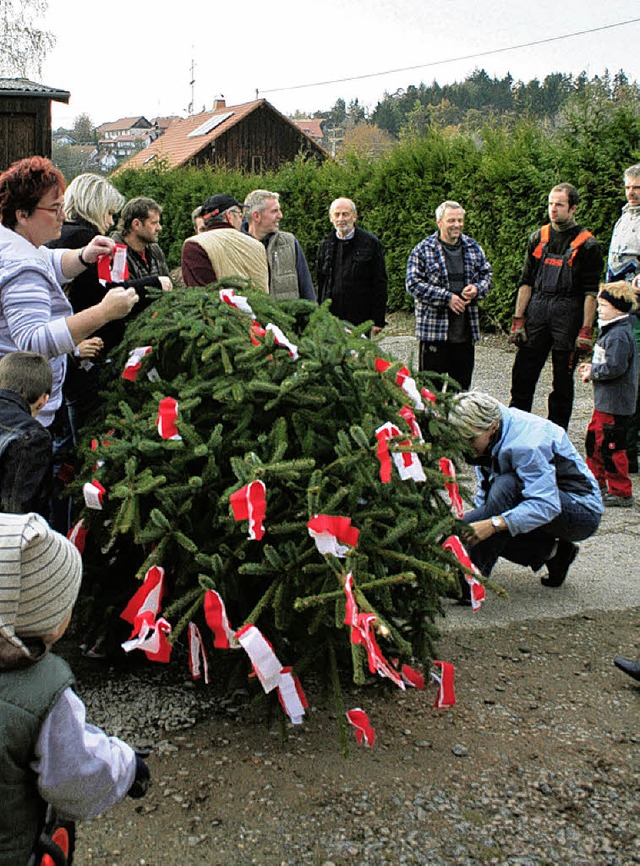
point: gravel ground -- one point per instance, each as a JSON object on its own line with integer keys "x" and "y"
{"x": 537, "y": 764}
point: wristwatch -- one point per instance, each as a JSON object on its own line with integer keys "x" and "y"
{"x": 496, "y": 522}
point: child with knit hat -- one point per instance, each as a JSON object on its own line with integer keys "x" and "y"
{"x": 49, "y": 755}
{"x": 613, "y": 369}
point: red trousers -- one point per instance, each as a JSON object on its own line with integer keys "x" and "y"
{"x": 605, "y": 445}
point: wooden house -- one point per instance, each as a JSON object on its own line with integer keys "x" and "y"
{"x": 25, "y": 119}
{"x": 252, "y": 137}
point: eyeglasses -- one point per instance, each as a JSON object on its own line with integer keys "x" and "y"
{"x": 235, "y": 210}
{"x": 58, "y": 209}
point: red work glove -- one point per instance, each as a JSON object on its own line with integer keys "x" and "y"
{"x": 584, "y": 341}
{"x": 517, "y": 335}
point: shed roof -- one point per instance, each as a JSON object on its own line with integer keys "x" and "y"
{"x": 31, "y": 89}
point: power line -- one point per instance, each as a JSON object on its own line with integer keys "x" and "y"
{"x": 455, "y": 59}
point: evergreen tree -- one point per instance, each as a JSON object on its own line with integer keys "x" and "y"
{"x": 248, "y": 411}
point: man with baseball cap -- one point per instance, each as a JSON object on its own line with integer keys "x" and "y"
{"x": 223, "y": 250}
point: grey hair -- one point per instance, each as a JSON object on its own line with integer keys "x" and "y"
{"x": 257, "y": 200}
{"x": 342, "y": 198}
{"x": 445, "y": 204}
{"x": 90, "y": 197}
{"x": 632, "y": 171}
{"x": 473, "y": 412}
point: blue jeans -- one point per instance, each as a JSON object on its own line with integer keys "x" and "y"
{"x": 533, "y": 549}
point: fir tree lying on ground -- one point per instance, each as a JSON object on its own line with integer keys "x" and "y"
{"x": 306, "y": 427}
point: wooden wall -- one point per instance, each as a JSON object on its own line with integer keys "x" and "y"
{"x": 25, "y": 128}
{"x": 263, "y": 141}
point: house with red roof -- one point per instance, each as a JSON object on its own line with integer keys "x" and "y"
{"x": 252, "y": 137}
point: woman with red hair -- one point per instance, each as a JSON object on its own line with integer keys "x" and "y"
{"x": 35, "y": 314}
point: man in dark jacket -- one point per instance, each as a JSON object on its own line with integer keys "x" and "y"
{"x": 351, "y": 269}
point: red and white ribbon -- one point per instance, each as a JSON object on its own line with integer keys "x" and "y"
{"x": 291, "y": 696}
{"x": 149, "y": 634}
{"x": 407, "y": 463}
{"x": 134, "y": 362}
{"x": 404, "y": 380}
{"x": 147, "y": 597}
{"x": 250, "y": 503}
{"x": 265, "y": 662}
{"x": 362, "y": 632}
{"x": 198, "y": 664}
{"x": 93, "y": 493}
{"x": 113, "y": 270}
{"x": 333, "y": 535}
{"x": 256, "y": 332}
{"x": 167, "y": 417}
{"x": 281, "y": 340}
{"x": 215, "y": 614}
{"x": 449, "y": 471}
{"x": 360, "y": 721}
{"x": 237, "y": 301}
{"x": 78, "y": 535}
{"x": 412, "y": 677}
{"x": 476, "y": 589}
{"x": 410, "y": 417}
{"x": 446, "y": 696}
{"x": 428, "y": 395}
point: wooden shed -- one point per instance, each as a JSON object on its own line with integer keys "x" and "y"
{"x": 25, "y": 119}
{"x": 253, "y": 137}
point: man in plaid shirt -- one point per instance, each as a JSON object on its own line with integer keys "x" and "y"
{"x": 447, "y": 274}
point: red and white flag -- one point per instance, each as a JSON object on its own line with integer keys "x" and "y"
{"x": 237, "y": 301}
{"x": 476, "y": 589}
{"x": 78, "y": 535}
{"x": 281, "y": 340}
{"x": 93, "y": 493}
{"x": 360, "y": 721}
{"x": 412, "y": 677}
{"x": 116, "y": 269}
{"x": 446, "y": 696}
{"x": 265, "y": 662}
{"x": 198, "y": 664}
{"x": 291, "y": 696}
{"x": 404, "y": 380}
{"x": 134, "y": 363}
{"x": 451, "y": 486}
{"x": 215, "y": 614}
{"x": 167, "y": 417}
{"x": 250, "y": 503}
{"x": 407, "y": 463}
{"x": 332, "y": 534}
{"x": 410, "y": 417}
{"x": 149, "y": 634}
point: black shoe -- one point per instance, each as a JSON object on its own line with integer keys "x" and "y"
{"x": 558, "y": 565}
{"x": 629, "y": 667}
{"x": 612, "y": 501}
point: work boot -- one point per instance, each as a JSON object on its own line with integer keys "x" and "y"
{"x": 558, "y": 565}
{"x": 629, "y": 667}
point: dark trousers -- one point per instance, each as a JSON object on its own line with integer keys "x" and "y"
{"x": 532, "y": 549}
{"x": 454, "y": 359}
{"x": 552, "y": 325}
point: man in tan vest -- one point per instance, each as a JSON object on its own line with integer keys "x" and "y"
{"x": 223, "y": 250}
{"x": 289, "y": 275}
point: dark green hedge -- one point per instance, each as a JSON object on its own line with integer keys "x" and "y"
{"x": 501, "y": 176}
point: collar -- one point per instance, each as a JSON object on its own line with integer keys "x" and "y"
{"x": 348, "y": 237}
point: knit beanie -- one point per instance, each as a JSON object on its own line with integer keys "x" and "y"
{"x": 40, "y": 574}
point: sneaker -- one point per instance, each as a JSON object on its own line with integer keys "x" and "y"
{"x": 558, "y": 565}
{"x": 612, "y": 501}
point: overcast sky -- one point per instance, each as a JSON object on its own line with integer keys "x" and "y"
{"x": 128, "y": 58}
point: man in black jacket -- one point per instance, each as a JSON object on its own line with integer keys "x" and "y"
{"x": 351, "y": 269}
